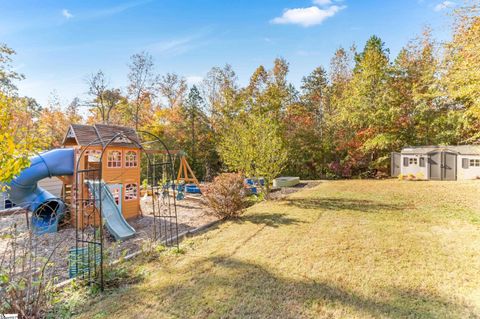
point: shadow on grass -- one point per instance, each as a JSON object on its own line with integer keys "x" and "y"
{"x": 336, "y": 204}
{"x": 269, "y": 219}
{"x": 227, "y": 287}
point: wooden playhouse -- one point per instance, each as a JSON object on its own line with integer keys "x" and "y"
{"x": 120, "y": 167}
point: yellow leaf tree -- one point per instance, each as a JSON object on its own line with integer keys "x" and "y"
{"x": 17, "y": 130}
{"x": 462, "y": 59}
{"x": 253, "y": 146}
{"x": 16, "y": 143}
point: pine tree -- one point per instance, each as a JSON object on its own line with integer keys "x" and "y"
{"x": 192, "y": 107}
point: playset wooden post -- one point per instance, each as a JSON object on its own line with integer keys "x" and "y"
{"x": 185, "y": 173}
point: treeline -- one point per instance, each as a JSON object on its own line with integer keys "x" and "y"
{"x": 340, "y": 123}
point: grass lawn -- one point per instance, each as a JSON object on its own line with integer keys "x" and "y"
{"x": 345, "y": 249}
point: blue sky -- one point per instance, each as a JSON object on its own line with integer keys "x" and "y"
{"x": 60, "y": 42}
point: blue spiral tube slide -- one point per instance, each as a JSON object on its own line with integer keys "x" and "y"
{"x": 46, "y": 208}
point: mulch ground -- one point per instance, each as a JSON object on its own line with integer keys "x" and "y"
{"x": 191, "y": 214}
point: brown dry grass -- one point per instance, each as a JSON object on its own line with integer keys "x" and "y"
{"x": 345, "y": 249}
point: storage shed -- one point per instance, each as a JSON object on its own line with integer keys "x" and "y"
{"x": 461, "y": 162}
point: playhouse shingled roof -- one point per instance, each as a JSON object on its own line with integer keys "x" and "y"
{"x": 100, "y": 134}
{"x": 460, "y": 149}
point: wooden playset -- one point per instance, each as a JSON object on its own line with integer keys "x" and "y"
{"x": 120, "y": 165}
{"x": 120, "y": 171}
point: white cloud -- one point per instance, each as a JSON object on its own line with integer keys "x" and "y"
{"x": 307, "y": 17}
{"x": 180, "y": 45}
{"x": 119, "y": 8}
{"x": 322, "y": 2}
{"x": 105, "y": 12}
{"x": 444, "y": 5}
{"x": 67, "y": 14}
{"x": 172, "y": 47}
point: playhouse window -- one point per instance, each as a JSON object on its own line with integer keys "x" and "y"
{"x": 131, "y": 159}
{"x": 131, "y": 191}
{"x": 114, "y": 159}
{"x": 475, "y": 162}
{"x": 412, "y": 161}
{"x": 93, "y": 155}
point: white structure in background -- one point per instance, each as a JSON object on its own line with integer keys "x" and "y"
{"x": 286, "y": 181}
{"x": 52, "y": 185}
{"x": 460, "y": 162}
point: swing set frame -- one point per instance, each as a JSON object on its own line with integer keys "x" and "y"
{"x": 185, "y": 173}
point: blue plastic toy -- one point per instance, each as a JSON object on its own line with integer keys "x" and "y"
{"x": 192, "y": 189}
{"x": 180, "y": 191}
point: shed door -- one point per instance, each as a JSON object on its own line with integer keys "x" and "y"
{"x": 449, "y": 166}
{"x": 395, "y": 164}
{"x": 435, "y": 161}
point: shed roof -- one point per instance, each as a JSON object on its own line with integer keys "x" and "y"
{"x": 460, "y": 149}
{"x": 100, "y": 134}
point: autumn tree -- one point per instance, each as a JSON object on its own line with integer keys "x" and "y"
{"x": 341, "y": 71}
{"x": 192, "y": 109}
{"x": 363, "y": 111}
{"x": 462, "y": 59}
{"x": 201, "y": 144}
{"x": 113, "y": 99}
{"x": 173, "y": 89}
{"x": 7, "y": 75}
{"x": 141, "y": 79}
{"x": 279, "y": 92}
{"x": 268, "y": 91}
{"x": 422, "y": 113}
{"x": 53, "y": 122}
{"x": 52, "y": 126}
{"x": 221, "y": 95}
{"x": 97, "y": 86}
{"x": 73, "y": 111}
{"x": 16, "y": 143}
{"x": 253, "y": 146}
{"x": 306, "y": 125}
{"x": 18, "y": 140}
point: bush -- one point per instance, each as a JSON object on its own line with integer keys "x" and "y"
{"x": 226, "y": 195}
